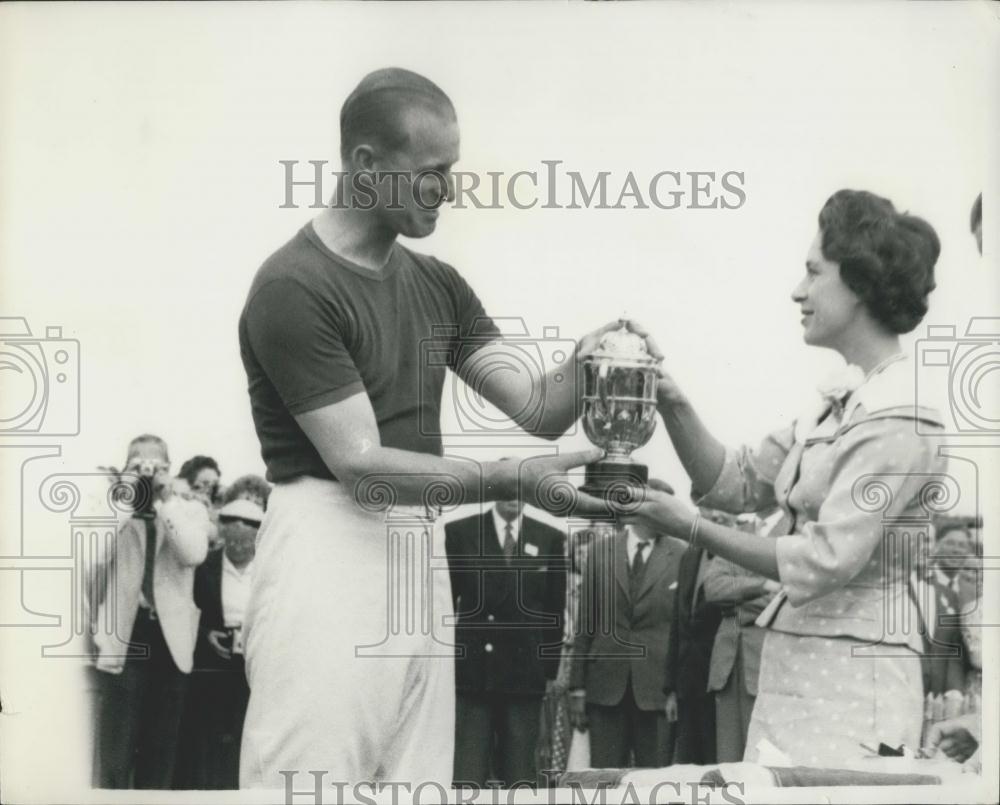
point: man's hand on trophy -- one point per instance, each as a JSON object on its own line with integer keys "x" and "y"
{"x": 544, "y": 482}
{"x": 668, "y": 393}
{"x": 641, "y": 330}
{"x": 592, "y": 340}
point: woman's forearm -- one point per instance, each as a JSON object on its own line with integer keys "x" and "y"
{"x": 700, "y": 452}
{"x": 751, "y": 551}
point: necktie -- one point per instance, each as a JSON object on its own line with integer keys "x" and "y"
{"x": 638, "y": 565}
{"x": 147, "y": 572}
{"x": 509, "y": 543}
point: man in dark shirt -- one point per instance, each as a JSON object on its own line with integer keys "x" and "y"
{"x": 345, "y": 338}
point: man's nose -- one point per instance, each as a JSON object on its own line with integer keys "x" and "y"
{"x": 449, "y": 188}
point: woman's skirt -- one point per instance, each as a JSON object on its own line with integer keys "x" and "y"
{"x": 820, "y": 698}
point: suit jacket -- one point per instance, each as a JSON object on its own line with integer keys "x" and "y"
{"x": 182, "y": 532}
{"x": 741, "y": 597}
{"x": 208, "y": 598}
{"x": 945, "y": 662}
{"x": 509, "y": 618}
{"x": 692, "y": 632}
{"x": 619, "y": 639}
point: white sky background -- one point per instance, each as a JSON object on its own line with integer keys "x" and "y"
{"x": 140, "y": 184}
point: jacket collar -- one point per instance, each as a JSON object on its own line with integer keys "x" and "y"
{"x": 888, "y": 392}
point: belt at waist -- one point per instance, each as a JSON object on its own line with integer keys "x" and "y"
{"x": 376, "y": 497}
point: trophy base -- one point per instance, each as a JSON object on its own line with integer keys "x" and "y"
{"x": 603, "y": 477}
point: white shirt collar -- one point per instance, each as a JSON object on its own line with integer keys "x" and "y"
{"x": 942, "y": 578}
{"x": 500, "y": 524}
{"x": 632, "y": 545}
{"x": 229, "y": 567}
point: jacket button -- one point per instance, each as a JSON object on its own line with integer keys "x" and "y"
{"x": 490, "y": 618}
{"x": 488, "y": 648}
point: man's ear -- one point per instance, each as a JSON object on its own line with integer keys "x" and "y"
{"x": 363, "y": 157}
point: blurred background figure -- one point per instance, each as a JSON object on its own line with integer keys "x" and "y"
{"x": 620, "y": 648}
{"x": 970, "y": 596}
{"x": 202, "y": 475}
{"x": 951, "y": 551}
{"x": 248, "y": 487}
{"x": 944, "y": 661}
{"x": 145, "y": 589}
{"x": 217, "y": 701}
{"x": 976, "y": 222}
{"x": 735, "y": 665}
{"x": 692, "y": 636}
{"x": 557, "y": 731}
{"x": 508, "y": 583}
{"x": 957, "y": 738}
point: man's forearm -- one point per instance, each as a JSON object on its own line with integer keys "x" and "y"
{"x": 419, "y": 478}
{"x": 562, "y": 399}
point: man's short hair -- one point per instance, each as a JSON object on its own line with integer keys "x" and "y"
{"x": 373, "y": 112}
{"x": 147, "y": 438}
{"x": 956, "y": 529}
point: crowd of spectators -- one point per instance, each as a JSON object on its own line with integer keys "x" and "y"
{"x": 620, "y": 647}
{"x": 170, "y": 678}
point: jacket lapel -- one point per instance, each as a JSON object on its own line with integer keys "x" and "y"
{"x": 489, "y": 545}
{"x": 621, "y": 563}
{"x": 656, "y": 567}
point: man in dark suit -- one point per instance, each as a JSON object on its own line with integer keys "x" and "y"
{"x": 944, "y": 663}
{"x": 741, "y": 596}
{"x": 213, "y": 723}
{"x": 620, "y": 647}
{"x": 508, "y": 580}
{"x": 692, "y": 635}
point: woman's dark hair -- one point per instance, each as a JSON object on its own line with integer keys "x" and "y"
{"x": 191, "y": 467}
{"x": 248, "y": 484}
{"x": 886, "y": 257}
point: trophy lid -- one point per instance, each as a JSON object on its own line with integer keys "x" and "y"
{"x": 622, "y": 346}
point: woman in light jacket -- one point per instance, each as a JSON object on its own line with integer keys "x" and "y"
{"x": 840, "y": 664}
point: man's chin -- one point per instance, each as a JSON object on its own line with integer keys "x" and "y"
{"x": 419, "y": 230}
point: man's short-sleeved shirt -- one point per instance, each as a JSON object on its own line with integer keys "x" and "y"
{"x": 317, "y": 329}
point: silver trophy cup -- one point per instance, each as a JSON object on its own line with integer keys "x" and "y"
{"x": 619, "y": 410}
